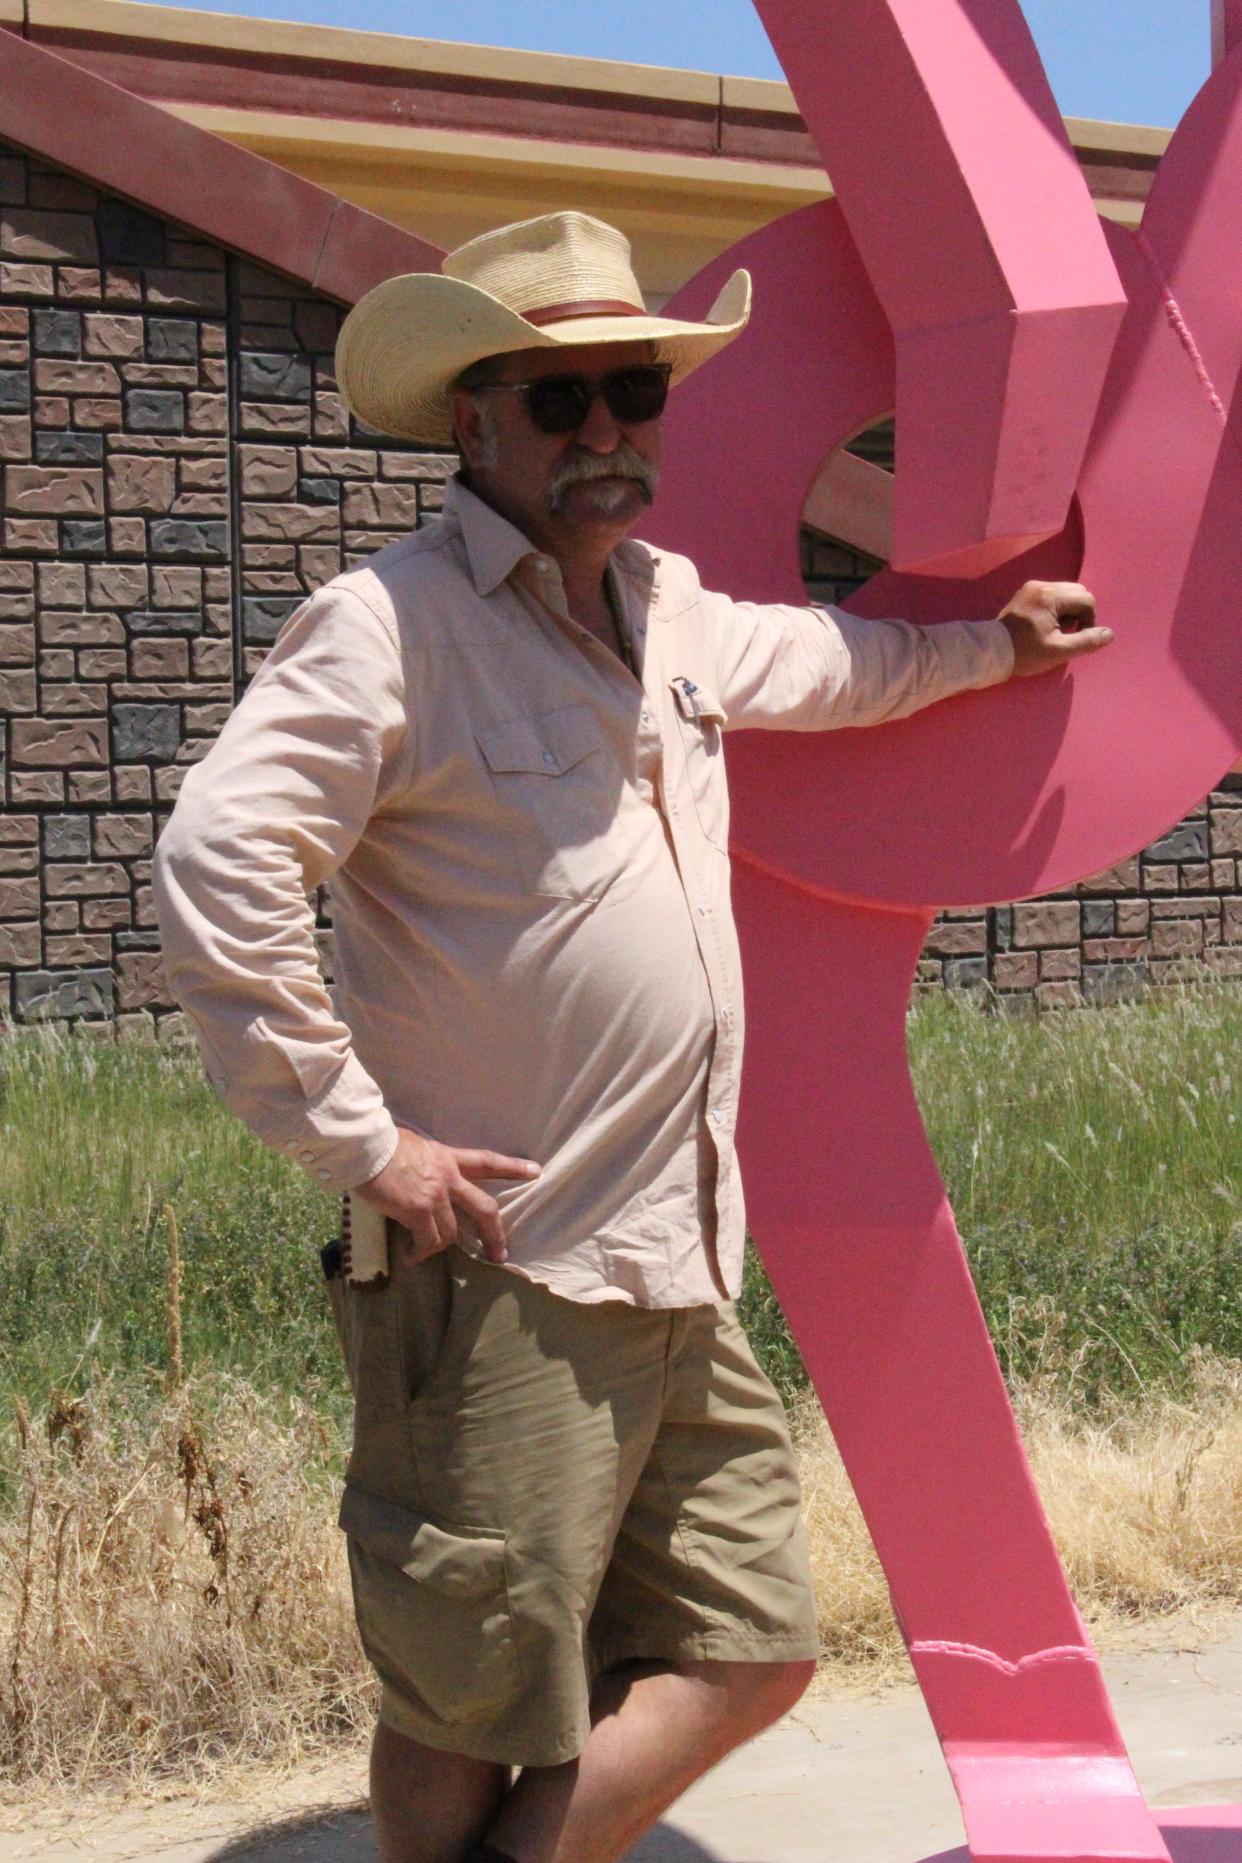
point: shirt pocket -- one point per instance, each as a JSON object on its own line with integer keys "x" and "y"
{"x": 558, "y": 795}
{"x": 700, "y": 722}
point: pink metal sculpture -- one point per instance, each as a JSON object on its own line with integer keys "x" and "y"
{"x": 1126, "y": 439}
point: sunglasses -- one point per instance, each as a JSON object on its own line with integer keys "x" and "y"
{"x": 560, "y": 403}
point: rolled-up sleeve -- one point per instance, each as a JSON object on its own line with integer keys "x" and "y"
{"x": 820, "y": 669}
{"x": 316, "y": 747}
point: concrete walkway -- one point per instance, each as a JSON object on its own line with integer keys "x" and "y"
{"x": 855, "y": 1780}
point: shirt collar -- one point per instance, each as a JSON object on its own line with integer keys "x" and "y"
{"x": 494, "y": 547}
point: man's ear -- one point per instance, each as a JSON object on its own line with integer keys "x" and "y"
{"x": 468, "y": 427}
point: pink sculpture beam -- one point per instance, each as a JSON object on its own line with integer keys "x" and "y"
{"x": 1226, "y": 28}
{"x": 961, "y": 191}
{"x": 844, "y": 844}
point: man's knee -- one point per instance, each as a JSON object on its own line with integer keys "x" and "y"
{"x": 754, "y": 1694}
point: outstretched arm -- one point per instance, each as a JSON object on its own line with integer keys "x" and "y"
{"x": 818, "y": 669}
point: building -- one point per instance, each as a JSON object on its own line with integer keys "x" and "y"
{"x": 187, "y": 201}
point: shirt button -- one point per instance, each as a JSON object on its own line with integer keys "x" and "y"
{"x": 542, "y": 565}
{"x": 646, "y": 718}
{"x": 549, "y": 756}
{"x": 725, "y": 1013}
{"x": 717, "y": 1116}
{"x": 702, "y": 911}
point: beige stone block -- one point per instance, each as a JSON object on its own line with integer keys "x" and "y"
{"x": 27, "y": 281}
{"x": 385, "y": 506}
{"x": 338, "y": 462}
{"x": 54, "y": 375}
{"x": 268, "y": 471}
{"x": 159, "y": 659}
{"x": 204, "y": 475}
{"x": 107, "y": 334}
{"x": 141, "y": 482}
{"x": 15, "y": 436}
{"x": 1226, "y": 831}
{"x": 177, "y": 587}
{"x": 64, "y": 490}
{"x": 32, "y": 534}
{"x": 123, "y": 837}
{"x": 59, "y": 741}
{"x": 35, "y": 233}
{"x": 285, "y": 523}
{"x": 98, "y": 414}
{"x": 1050, "y": 922}
{"x": 117, "y": 585}
{"x": 283, "y": 419}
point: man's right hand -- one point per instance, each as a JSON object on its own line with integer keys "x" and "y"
{"x": 424, "y": 1184}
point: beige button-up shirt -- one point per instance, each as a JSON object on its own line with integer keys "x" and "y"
{"x": 528, "y": 853}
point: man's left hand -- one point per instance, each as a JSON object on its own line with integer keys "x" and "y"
{"x": 1051, "y": 623}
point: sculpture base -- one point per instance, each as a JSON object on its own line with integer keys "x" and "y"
{"x": 1197, "y": 1834}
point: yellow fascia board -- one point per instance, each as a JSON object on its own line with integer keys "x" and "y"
{"x": 465, "y": 149}
{"x": 344, "y": 45}
{"x": 169, "y": 25}
{"x": 770, "y": 94}
{"x": 1117, "y": 138}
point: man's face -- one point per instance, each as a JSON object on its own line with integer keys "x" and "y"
{"x": 590, "y": 484}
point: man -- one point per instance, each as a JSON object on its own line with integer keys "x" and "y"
{"x": 571, "y": 1506}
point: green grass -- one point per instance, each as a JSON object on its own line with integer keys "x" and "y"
{"x": 99, "y": 1140}
{"x": 1094, "y": 1160}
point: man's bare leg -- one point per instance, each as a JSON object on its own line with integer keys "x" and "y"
{"x": 429, "y": 1807}
{"x": 656, "y": 1730}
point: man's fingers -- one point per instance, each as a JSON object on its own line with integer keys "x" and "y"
{"x": 1085, "y": 640}
{"x": 426, "y": 1234}
{"x": 473, "y": 1164}
{"x": 487, "y": 1218}
{"x": 1072, "y": 600}
{"x": 445, "y": 1219}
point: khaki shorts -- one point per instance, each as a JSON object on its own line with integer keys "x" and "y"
{"x": 541, "y": 1489}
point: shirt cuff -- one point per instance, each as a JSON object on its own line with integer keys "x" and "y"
{"x": 338, "y": 1146}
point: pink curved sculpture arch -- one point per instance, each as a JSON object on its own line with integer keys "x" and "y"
{"x": 843, "y": 845}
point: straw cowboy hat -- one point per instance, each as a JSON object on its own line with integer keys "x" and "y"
{"x": 562, "y": 279}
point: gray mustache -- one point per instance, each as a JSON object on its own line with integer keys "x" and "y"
{"x": 582, "y": 468}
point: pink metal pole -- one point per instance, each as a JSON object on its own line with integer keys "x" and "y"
{"x": 1226, "y": 28}
{"x": 842, "y": 846}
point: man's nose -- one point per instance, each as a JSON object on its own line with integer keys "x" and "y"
{"x": 599, "y": 432}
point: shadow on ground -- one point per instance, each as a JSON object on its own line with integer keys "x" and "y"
{"x": 345, "y": 1837}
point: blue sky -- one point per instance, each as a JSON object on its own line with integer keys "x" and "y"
{"x": 1135, "y": 61}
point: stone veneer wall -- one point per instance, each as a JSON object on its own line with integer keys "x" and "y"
{"x": 179, "y": 472}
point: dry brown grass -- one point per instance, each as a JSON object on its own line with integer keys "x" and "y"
{"x": 1145, "y": 1504}
{"x": 173, "y": 1599}
{"x": 174, "y": 1602}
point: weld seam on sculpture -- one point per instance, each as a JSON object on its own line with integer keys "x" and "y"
{"x": 1060, "y": 1652}
{"x": 742, "y": 857}
{"x": 1173, "y": 310}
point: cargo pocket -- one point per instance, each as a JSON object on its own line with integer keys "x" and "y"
{"x": 433, "y": 1608}
{"x": 700, "y": 720}
{"x": 555, "y": 782}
